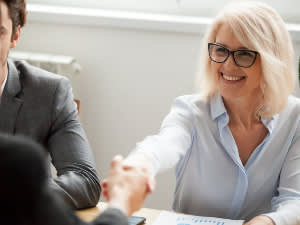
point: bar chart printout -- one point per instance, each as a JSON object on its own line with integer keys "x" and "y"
{"x": 169, "y": 218}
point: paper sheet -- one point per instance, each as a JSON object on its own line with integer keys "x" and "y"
{"x": 169, "y": 218}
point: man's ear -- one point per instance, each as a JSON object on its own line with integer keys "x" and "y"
{"x": 16, "y": 37}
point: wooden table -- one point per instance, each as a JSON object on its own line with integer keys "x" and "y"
{"x": 90, "y": 214}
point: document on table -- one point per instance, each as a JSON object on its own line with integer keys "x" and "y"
{"x": 182, "y": 219}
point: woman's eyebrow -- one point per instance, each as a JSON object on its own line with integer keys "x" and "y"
{"x": 239, "y": 48}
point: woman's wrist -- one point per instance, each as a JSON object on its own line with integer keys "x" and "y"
{"x": 267, "y": 220}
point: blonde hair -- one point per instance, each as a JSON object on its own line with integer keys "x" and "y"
{"x": 258, "y": 27}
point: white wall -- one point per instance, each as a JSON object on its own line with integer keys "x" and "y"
{"x": 128, "y": 81}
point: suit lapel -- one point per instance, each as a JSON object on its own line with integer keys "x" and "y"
{"x": 10, "y": 102}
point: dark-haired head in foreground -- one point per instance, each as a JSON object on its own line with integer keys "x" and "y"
{"x": 26, "y": 198}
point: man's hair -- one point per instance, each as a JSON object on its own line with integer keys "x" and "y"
{"x": 258, "y": 27}
{"x": 17, "y": 12}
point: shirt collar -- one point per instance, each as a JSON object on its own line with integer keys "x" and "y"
{"x": 217, "y": 110}
{"x": 3, "y": 84}
{"x": 269, "y": 122}
{"x": 217, "y": 107}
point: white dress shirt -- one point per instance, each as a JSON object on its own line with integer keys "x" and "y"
{"x": 3, "y": 85}
{"x": 210, "y": 177}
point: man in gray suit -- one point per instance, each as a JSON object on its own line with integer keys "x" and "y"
{"x": 39, "y": 105}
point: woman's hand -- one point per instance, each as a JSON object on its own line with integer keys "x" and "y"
{"x": 260, "y": 220}
{"x": 127, "y": 186}
{"x": 141, "y": 162}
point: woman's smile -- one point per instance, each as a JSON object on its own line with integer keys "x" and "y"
{"x": 232, "y": 79}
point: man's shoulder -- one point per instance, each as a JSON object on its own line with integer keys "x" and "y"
{"x": 33, "y": 75}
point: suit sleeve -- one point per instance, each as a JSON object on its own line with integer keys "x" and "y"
{"x": 111, "y": 216}
{"x": 77, "y": 182}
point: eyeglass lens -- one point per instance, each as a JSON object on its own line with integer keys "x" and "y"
{"x": 243, "y": 58}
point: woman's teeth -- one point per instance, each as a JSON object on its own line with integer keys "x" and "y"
{"x": 232, "y": 78}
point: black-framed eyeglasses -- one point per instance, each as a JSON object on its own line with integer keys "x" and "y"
{"x": 242, "y": 57}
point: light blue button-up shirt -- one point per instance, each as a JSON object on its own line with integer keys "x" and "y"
{"x": 210, "y": 177}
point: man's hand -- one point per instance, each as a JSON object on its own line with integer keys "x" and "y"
{"x": 126, "y": 187}
{"x": 260, "y": 220}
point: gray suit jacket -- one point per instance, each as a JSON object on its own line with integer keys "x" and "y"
{"x": 40, "y": 105}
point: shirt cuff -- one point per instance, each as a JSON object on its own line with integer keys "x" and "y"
{"x": 273, "y": 216}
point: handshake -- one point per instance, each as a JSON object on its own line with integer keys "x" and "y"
{"x": 128, "y": 183}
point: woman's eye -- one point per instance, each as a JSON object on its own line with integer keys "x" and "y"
{"x": 220, "y": 50}
{"x": 245, "y": 53}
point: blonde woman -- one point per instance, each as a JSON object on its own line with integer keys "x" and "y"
{"x": 236, "y": 145}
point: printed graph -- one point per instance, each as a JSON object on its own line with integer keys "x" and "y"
{"x": 171, "y": 218}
